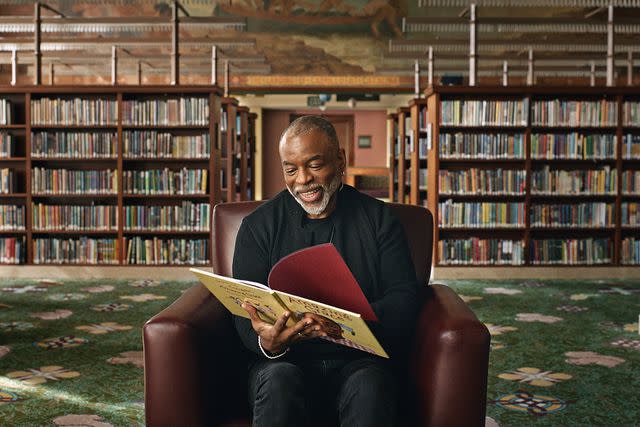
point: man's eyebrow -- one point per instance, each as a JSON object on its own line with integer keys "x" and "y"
{"x": 310, "y": 159}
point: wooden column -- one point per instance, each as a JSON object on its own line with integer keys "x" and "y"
{"x": 14, "y": 67}
{"x": 416, "y": 79}
{"x": 630, "y": 68}
{"x": 37, "y": 21}
{"x": 430, "y": 55}
{"x": 505, "y": 73}
{"x": 114, "y": 65}
{"x": 175, "y": 56}
{"x": 610, "y": 47}
{"x": 214, "y": 65}
{"x": 226, "y": 78}
{"x": 472, "y": 45}
{"x": 530, "y": 78}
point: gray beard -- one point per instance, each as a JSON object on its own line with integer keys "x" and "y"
{"x": 328, "y": 190}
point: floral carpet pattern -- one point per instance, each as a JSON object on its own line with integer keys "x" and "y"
{"x": 563, "y": 353}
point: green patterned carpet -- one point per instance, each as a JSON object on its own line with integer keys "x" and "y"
{"x": 563, "y": 353}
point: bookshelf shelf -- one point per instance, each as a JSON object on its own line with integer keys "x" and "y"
{"x": 535, "y": 141}
{"x": 128, "y": 137}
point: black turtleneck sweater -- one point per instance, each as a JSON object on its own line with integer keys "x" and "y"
{"x": 371, "y": 241}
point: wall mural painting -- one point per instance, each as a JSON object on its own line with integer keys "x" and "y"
{"x": 298, "y": 38}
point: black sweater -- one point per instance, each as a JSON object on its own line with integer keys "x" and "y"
{"x": 371, "y": 241}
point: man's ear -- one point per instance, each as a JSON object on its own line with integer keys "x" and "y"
{"x": 342, "y": 159}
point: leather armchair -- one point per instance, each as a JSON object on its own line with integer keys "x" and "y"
{"x": 195, "y": 365}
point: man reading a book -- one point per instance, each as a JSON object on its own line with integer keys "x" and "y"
{"x": 297, "y": 378}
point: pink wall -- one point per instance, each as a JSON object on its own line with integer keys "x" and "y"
{"x": 373, "y": 123}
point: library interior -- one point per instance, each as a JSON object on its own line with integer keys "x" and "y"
{"x": 503, "y": 136}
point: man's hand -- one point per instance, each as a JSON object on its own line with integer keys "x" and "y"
{"x": 277, "y": 337}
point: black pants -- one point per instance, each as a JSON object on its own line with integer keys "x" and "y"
{"x": 354, "y": 393}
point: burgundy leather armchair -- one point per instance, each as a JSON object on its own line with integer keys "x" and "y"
{"x": 195, "y": 365}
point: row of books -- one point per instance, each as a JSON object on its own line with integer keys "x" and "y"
{"x": 422, "y": 178}
{"x": 13, "y": 250}
{"x": 5, "y": 112}
{"x": 224, "y": 120}
{"x": 156, "y": 251}
{"x": 630, "y": 214}
{"x": 74, "y": 217}
{"x": 155, "y": 144}
{"x": 573, "y": 146}
{"x": 66, "y": 181}
{"x": 183, "y": 111}
{"x": 573, "y": 182}
{"x": 165, "y": 181}
{"x": 74, "y": 144}
{"x": 573, "y": 215}
{"x": 631, "y": 111}
{"x": 12, "y": 217}
{"x": 6, "y": 144}
{"x": 7, "y": 181}
{"x": 481, "y": 146}
{"x": 630, "y": 251}
{"x": 188, "y": 216}
{"x": 588, "y": 251}
{"x": 484, "y": 113}
{"x": 82, "y": 250}
{"x": 482, "y": 181}
{"x": 630, "y": 182}
{"x": 481, "y": 215}
{"x": 476, "y": 251}
{"x": 631, "y": 146}
{"x": 74, "y": 111}
{"x": 556, "y": 112}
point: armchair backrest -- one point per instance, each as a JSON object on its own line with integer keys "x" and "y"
{"x": 417, "y": 222}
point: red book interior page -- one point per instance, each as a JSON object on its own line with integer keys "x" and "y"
{"x": 319, "y": 273}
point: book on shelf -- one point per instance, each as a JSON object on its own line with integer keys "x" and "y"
{"x": 561, "y": 112}
{"x": 300, "y": 283}
{"x": 6, "y": 145}
{"x": 5, "y": 112}
{"x": 164, "y": 145}
{"x": 7, "y": 181}
{"x": 73, "y": 144}
{"x": 12, "y": 250}
{"x": 183, "y": 111}
{"x": 74, "y": 111}
{"x": 81, "y": 250}
{"x": 74, "y": 217}
{"x": 12, "y": 217}
{"x": 573, "y": 146}
{"x": 589, "y": 251}
{"x": 478, "y": 251}
{"x": 631, "y": 146}
{"x": 460, "y": 145}
{"x": 595, "y": 214}
{"x": 169, "y": 251}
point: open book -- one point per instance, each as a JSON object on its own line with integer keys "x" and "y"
{"x": 312, "y": 280}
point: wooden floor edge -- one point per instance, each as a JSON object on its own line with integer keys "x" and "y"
{"x": 561, "y": 273}
{"x": 183, "y": 273}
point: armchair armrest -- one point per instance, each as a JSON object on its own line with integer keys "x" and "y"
{"x": 449, "y": 362}
{"x": 184, "y": 346}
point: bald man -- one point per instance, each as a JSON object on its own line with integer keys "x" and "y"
{"x": 296, "y": 378}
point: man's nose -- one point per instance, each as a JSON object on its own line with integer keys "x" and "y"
{"x": 303, "y": 177}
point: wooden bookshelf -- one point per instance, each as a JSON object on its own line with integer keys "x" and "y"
{"x": 154, "y": 149}
{"x": 525, "y": 175}
{"x": 392, "y": 136}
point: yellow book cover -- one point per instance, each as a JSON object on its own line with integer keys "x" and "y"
{"x": 233, "y": 292}
{"x": 342, "y": 326}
